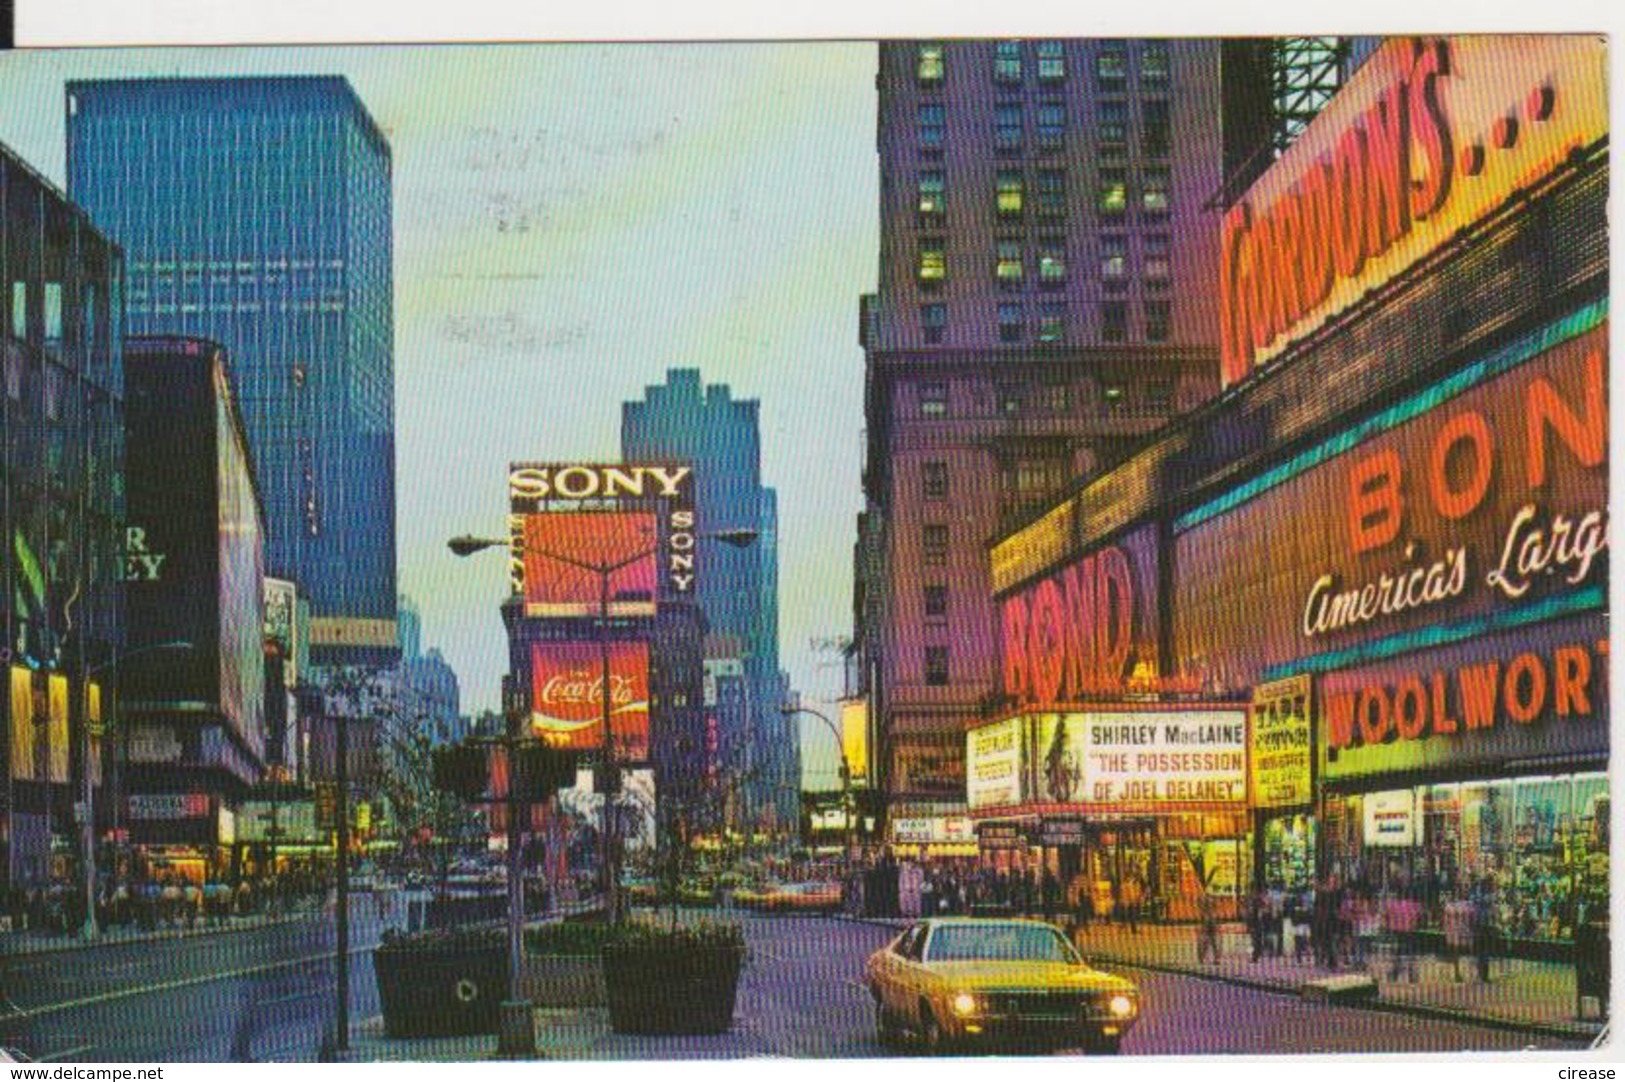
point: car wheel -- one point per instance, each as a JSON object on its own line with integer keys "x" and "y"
{"x": 1104, "y": 1046}
{"x": 932, "y": 1038}
{"x": 885, "y": 1029}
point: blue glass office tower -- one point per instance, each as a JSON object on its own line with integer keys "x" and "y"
{"x": 721, "y": 436}
{"x": 256, "y": 212}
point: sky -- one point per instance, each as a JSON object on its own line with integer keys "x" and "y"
{"x": 571, "y": 221}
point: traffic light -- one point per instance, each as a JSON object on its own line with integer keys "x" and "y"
{"x": 543, "y": 771}
{"x": 463, "y": 770}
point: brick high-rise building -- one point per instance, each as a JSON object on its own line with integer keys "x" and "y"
{"x": 1047, "y": 297}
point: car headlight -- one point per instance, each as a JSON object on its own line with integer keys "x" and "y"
{"x": 1121, "y": 1005}
{"x": 965, "y": 1004}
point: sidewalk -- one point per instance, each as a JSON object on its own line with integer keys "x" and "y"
{"x": 19, "y": 944}
{"x": 1522, "y": 994}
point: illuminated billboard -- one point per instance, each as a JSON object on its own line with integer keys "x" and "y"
{"x": 567, "y": 704}
{"x": 1479, "y": 498}
{"x": 1429, "y": 136}
{"x": 241, "y": 563}
{"x": 996, "y": 764}
{"x": 1088, "y": 629}
{"x": 566, "y": 553}
{"x": 661, "y": 494}
{"x": 1143, "y": 760}
{"x": 855, "y": 738}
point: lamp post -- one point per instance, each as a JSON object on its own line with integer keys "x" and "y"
{"x": 847, "y": 809}
{"x": 467, "y": 545}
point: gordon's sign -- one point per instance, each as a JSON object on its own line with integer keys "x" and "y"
{"x": 1429, "y": 136}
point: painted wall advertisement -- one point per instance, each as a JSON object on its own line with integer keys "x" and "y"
{"x": 995, "y": 765}
{"x": 1146, "y": 760}
{"x": 567, "y": 704}
{"x": 1282, "y": 744}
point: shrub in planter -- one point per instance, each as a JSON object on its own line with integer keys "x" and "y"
{"x": 441, "y": 983}
{"x": 673, "y": 979}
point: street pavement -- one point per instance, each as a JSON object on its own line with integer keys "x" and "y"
{"x": 266, "y": 993}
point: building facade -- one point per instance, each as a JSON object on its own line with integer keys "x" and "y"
{"x": 61, "y": 519}
{"x": 685, "y": 421}
{"x": 256, "y": 212}
{"x": 1387, "y": 541}
{"x": 1044, "y": 302}
{"x": 194, "y": 718}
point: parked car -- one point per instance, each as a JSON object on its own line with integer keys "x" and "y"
{"x": 958, "y": 982}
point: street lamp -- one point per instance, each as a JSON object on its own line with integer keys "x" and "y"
{"x": 847, "y": 808}
{"x": 90, "y": 929}
{"x": 467, "y": 545}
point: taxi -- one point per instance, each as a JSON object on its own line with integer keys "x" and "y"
{"x": 956, "y": 982}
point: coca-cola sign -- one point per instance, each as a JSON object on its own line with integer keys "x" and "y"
{"x": 567, "y": 701}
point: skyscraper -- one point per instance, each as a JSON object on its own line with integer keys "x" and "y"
{"x": 62, "y": 543}
{"x": 256, "y": 212}
{"x": 720, "y": 436}
{"x": 1046, "y": 298}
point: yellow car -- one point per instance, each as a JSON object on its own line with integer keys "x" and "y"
{"x": 961, "y": 981}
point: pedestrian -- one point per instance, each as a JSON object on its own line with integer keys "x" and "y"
{"x": 1457, "y": 927}
{"x": 1401, "y": 915}
{"x": 1133, "y": 895}
{"x": 1366, "y": 921}
{"x": 1051, "y": 889}
{"x": 1323, "y": 920}
{"x": 1207, "y": 930}
{"x": 1084, "y": 903}
{"x": 191, "y": 902}
{"x": 1482, "y": 899}
{"x": 1257, "y": 903}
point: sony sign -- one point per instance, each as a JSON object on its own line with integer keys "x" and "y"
{"x": 535, "y": 488}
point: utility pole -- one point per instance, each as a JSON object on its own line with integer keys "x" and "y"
{"x": 341, "y": 743}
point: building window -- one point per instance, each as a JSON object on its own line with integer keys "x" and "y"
{"x": 1114, "y": 397}
{"x": 1008, "y": 268}
{"x": 933, "y": 263}
{"x": 1159, "y": 395}
{"x": 1051, "y": 193}
{"x": 929, "y": 66}
{"x": 19, "y": 310}
{"x": 1114, "y": 321}
{"x": 1111, "y": 71}
{"x": 1052, "y": 322}
{"x": 934, "y": 543}
{"x": 1054, "y": 397}
{"x": 1154, "y": 127}
{"x": 1007, "y": 62}
{"x": 1113, "y": 259}
{"x": 934, "y": 479}
{"x": 936, "y": 666}
{"x": 1009, "y": 322}
{"x": 1113, "y": 122}
{"x": 1012, "y": 399}
{"x": 1009, "y": 190}
{"x": 933, "y": 320}
{"x": 936, "y": 601}
{"x": 1156, "y": 321}
{"x": 1155, "y": 196}
{"x": 53, "y": 317}
{"x": 1154, "y": 64}
{"x": 1051, "y": 62}
{"x": 933, "y": 197}
{"x": 1051, "y": 262}
{"x": 1157, "y": 271}
{"x": 933, "y": 400}
{"x": 1113, "y": 198}
{"x": 1051, "y": 126}
{"x": 933, "y": 121}
{"x": 1038, "y": 478}
{"x": 1007, "y": 128}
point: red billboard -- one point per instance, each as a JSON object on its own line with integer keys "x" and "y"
{"x": 567, "y": 704}
{"x": 565, "y": 552}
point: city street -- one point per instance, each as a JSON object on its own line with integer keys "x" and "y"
{"x": 801, "y": 995}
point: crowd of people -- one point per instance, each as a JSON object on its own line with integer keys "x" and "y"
{"x": 161, "y": 899}
{"x": 1340, "y": 924}
{"x": 962, "y": 886}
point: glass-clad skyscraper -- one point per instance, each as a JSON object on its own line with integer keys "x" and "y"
{"x": 256, "y": 212}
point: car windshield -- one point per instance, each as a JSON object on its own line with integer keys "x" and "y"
{"x": 999, "y": 943}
